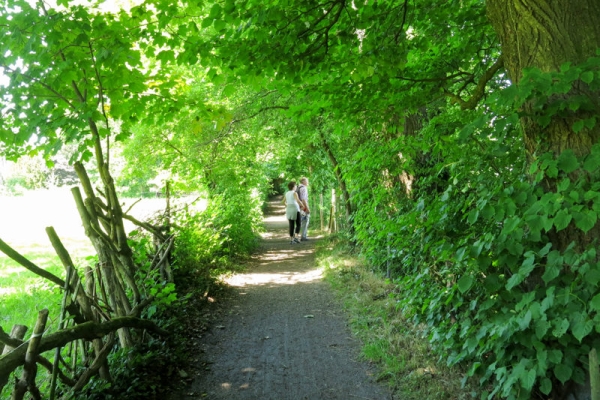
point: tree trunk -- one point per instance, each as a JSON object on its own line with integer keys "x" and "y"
{"x": 546, "y": 34}
{"x": 340, "y": 178}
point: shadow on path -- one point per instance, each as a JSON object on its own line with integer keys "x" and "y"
{"x": 284, "y": 335}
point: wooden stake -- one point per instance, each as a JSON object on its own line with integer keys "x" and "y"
{"x": 595, "y": 374}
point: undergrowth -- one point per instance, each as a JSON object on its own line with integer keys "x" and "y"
{"x": 405, "y": 360}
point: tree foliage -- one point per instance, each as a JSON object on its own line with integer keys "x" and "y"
{"x": 453, "y": 139}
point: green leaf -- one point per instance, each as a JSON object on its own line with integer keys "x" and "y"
{"x": 510, "y": 224}
{"x": 524, "y": 321}
{"x": 560, "y": 327}
{"x": 545, "y": 250}
{"x": 550, "y": 273}
{"x": 593, "y": 276}
{"x": 595, "y": 303}
{"x": 585, "y": 220}
{"x": 590, "y": 123}
{"x": 562, "y": 219}
{"x": 229, "y": 90}
{"x": 465, "y": 283}
{"x": 563, "y": 372}
{"x": 541, "y": 328}
{"x": 578, "y": 126}
{"x": 555, "y": 356}
{"x": 582, "y": 328}
{"x": 528, "y": 379}
{"x": 567, "y": 161}
{"x": 514, "y": 281}
{"x": 473, "y": 216}
{"x": 220, "y": 25}
{"x": 592, "y": 162}
{"x": 564, "y": 185}
{"x": 587, "y": 76}
{"x": 488, "y": 211}
{"x": 546, "y": 386}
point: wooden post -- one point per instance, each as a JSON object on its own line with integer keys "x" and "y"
{"x": 27, "y": 381}
{"x": 321, "y": 210}
{"x": 334, "y": 209}
{"x": 61, "y": 320}
{"x": 17, "y": 332}
{"x": 388, "y": 272}
{"x": 595, "y": 374}
{"x": 332, "y": 222}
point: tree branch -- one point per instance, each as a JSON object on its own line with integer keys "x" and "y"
{"x": 88, "y": 331}
{"x": 479, "y": 91}
{"x": 16, "y": 256}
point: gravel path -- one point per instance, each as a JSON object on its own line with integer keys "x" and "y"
{"x": 283, "y": 334}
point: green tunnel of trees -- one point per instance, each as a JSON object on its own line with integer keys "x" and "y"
{"x": 462, "y": 134}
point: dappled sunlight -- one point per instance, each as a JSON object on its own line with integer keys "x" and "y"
{"x": 275, "y": 218}
{"x": 23, "y": 219}
{"x": 5, "y": 272}
{"x": 7, "y": 291}
{"x": 274, "y": 278}
{"x": 294, "y": 251}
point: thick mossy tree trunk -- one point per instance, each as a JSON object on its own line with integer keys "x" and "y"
{"x": 547, "y": 34}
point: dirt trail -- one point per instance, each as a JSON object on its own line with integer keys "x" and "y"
{"x": 284, "y": 335}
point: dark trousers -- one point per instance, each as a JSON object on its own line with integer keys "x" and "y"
{"x": 295, "y": 225}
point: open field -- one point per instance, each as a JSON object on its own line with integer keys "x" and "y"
{"x": 23, "y": 220}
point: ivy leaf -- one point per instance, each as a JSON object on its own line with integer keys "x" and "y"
{"x": 465, "y": 283}
{"x": 528, "y": 379}
{"x": 578, "y": 126}
{"x": 567, "y": 161}
{"x": 563, "y": 372}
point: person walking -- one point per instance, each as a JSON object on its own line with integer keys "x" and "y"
{"x": 292, "y": 212}
{"x": 305, "y": 215}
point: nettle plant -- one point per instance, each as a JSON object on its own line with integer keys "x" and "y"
{"x": 515, "y": 293}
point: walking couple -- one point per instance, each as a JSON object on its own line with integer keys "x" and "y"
{"x": 296, "y": 210}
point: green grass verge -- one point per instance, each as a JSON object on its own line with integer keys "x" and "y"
{"x": 23, "y": 293}
{"x": 405, "y": 360}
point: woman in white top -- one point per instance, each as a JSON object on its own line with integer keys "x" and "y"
{"x": 292, "y": 211}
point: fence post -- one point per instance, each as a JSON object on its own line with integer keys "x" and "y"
{"x": 333, "y": 217}
{"x": 17, "y": 332}
{"x": 595, "y": 374}
{"x": 27, "y": 381}
{"x": 61, "y": 322}
{"x": 388, "y": 272}
{"x": 321, "y": 210}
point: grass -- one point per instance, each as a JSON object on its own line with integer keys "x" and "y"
{"x": 23, "y": 220}
{"x": 405, "y": 360}
{"x": 23, "y": 294}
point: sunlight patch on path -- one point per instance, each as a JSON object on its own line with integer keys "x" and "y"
{"x": 281, "y": 278}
